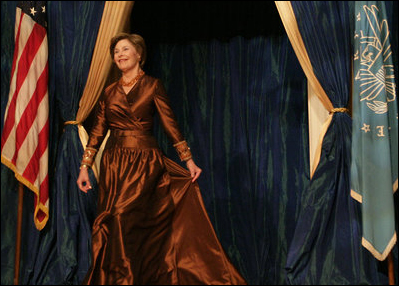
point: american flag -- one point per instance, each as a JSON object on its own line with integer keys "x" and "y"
{"x": 24, "y": 140}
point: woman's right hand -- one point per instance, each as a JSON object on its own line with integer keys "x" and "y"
{"x": 83, "y": 180}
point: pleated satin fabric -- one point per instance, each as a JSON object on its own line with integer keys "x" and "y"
{"x": 152, "y": 226}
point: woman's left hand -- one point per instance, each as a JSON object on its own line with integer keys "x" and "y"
{"x": 194, "y": 169}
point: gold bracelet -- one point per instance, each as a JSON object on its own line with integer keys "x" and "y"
{"x": 88, "y": 157}
{"x": 83, "y": 166}
{"x": 183, "y": 150}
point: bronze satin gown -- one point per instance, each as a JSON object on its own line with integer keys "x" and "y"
{"x": 152, "y": 226}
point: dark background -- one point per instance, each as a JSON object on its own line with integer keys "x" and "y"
{"x": 185, "y": 21}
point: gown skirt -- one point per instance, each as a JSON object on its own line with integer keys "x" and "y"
{"x": 152, "y": 226}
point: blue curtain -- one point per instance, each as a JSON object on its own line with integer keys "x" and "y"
{"x": 326, "y": 248}
{"x": 242, "y": 107}
{"x": 60, "y": 253}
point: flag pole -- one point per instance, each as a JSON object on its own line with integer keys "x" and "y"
{"x": 19, "y": 231}
{"x": 391, "y": 272}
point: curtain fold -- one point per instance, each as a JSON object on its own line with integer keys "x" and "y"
{"x": 326, "y": 246}
{"x": 290, "y": 24}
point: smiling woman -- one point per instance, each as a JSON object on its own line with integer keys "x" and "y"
{"x": 151, "y": 226}
{"x": 126, "y": 54}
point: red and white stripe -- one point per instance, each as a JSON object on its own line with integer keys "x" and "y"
{"x": 24, "y": 140}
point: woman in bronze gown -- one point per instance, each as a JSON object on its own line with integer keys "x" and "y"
{"x": 151, "y": 225}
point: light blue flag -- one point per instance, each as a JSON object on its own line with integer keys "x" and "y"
{"x": 374, "y": 167}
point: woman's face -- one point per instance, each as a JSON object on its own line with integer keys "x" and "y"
{"x": 126, "y": 56}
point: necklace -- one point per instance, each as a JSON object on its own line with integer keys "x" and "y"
{"x": 133, "y": 81}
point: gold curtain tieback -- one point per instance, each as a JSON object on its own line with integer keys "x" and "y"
{"x": 71, "y": 122}
{"x": 339, "y": 109}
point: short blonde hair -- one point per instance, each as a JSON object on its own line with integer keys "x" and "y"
{"x": 136, "y": 40}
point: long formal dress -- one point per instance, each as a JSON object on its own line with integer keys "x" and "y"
{"x": 152, "y": 226}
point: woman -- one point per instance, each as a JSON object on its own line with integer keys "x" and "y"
{"x": 151, "y": 225}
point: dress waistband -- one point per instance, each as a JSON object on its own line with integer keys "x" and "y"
{"x": 123, "y": 133}
{"x": 139, "y": 139}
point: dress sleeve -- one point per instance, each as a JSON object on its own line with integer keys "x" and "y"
{"x": 169, "y": 123}
{"x": 97, "y": 134}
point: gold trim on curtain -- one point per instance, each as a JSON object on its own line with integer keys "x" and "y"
{"x": 290, "y": 24}
{"x": 318, "y": 115}
{"x": 114, "y": 19}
